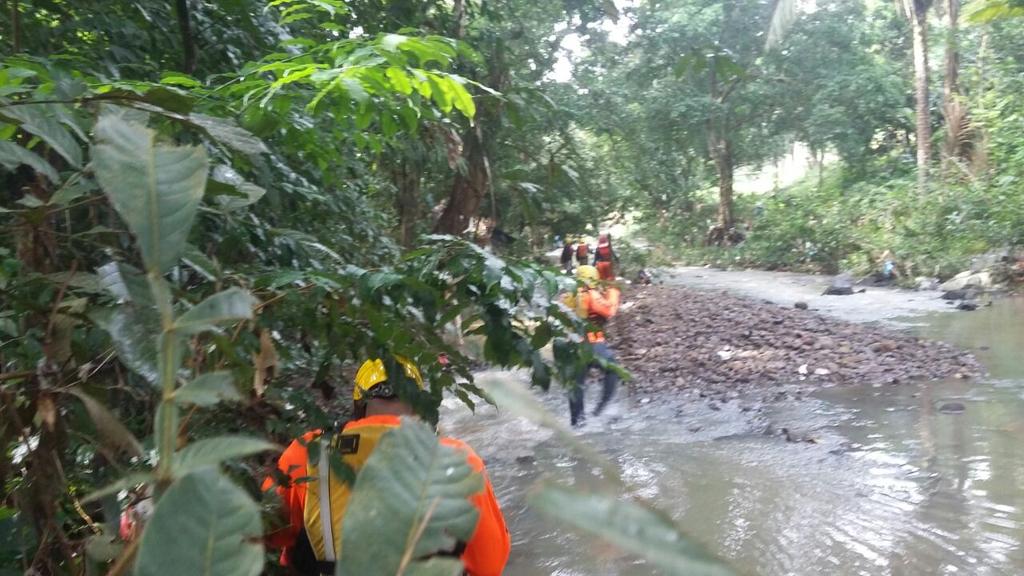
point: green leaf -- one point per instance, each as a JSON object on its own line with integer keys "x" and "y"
{"x": 212, "y": 451}
{"x": 38, "y": 120}
{"x": 408, "y": 476}
{"x": 232, "y": 191}
{"x": 229, "y": 134}
{"x": 124, "y": 283}
{"x": 204, "y": 525}
{"x": 72, "y": 191}
{"x": 230, "y": 305}
{"x": 12, "y": 156}
{"x": 133, "y": 330}
{"x": 632, "y": 527}
{"x": 155, "y": 188}
{"x": 201, "y": 263}
{"x": 112, "y": 433}
{"x": 180, "y": 80}
{"x": 462, "y": 99}
{"x": 208, "y": 389}
{"x": 400, "y": 81}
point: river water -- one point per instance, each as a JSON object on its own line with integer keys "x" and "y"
{"x": 878, "y": 481}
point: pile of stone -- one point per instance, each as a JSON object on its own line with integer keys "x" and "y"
{"x": 672, "y": 338}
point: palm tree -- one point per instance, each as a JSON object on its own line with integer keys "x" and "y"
{"x": 917, "y": 12}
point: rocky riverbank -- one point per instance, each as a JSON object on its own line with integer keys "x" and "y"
{"x": 675, "y": 338}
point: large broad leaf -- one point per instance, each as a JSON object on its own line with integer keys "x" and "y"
{"x": 204, "y": 525}
{"x": 213, "y": 451}
{"x": 410, "y": 485}
{"x": 40, "y": 120}
{"x": 155, "y": 188}
{"x": 632, "y": 527}
{"x": 133, "y": 330}
{"x": 12, "y": 156}
{"x": 208, "y": 389}
{"x": 124, "y": 283}
{"x": 227, "y": 306}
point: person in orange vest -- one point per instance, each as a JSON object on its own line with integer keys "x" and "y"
{"x": 605, "y": 257}
{"x": 582, "y": 252}
{"x": 309, "y": 545}
{"x": 597, "y": 304}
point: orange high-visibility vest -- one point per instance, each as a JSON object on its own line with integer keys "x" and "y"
{"x": 308, "y": 504}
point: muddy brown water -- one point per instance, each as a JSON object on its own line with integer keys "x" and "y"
{"x": 892, "y": 483}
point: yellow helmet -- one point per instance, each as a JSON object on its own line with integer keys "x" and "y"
{"x": 372, "y": 374}
{"x": 588, "y": 274}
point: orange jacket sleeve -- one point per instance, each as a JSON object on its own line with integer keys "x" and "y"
{"x": 292, "y": 463}
{"x": 606, "y": 304}
{"x": 488, "y": 549}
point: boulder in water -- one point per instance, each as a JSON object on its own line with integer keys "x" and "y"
{"x": 953, "y": 408}
{"x": 966, "y": 279}
{"x": 842, "y": 285}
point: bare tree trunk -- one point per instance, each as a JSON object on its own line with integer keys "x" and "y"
{"x": 15, "y": 27}
{"x": 468, "y": 188}
{"x": 958, "y": 124}
{"x": 459, "y": 12}
{"x": 188, "y": 42}
{"x": 919, "y": 25}
{"x": 406, "y": 178}
{"x": 721, "y": 152}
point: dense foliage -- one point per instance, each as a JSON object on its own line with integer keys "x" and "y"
{"x": 838, "y": 78}
{"x": 213, "y": 211}
{"x": 197, "y": 250}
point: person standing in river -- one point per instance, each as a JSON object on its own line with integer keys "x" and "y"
{"x": 597, "y": 304}
{"x": 605, "y": 257}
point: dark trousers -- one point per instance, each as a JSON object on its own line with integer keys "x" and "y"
{"x": 611, "y": 381}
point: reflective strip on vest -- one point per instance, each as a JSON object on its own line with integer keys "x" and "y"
{"x": 327, "y": 527}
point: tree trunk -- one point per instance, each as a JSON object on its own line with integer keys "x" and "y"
{"x": 15, "y": 27}
{"x": 406, "y": 178}
{"x": 919, "y": 26}
{"x": 721, "y": 152}
{"x": 188, "y": 43}
{"x": 979, "y": 149}
{"x": 958, "y": 125}
{"x": 469, "y": 187}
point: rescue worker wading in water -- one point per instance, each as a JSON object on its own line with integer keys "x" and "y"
{"x": 597, "y": 305}
{"x": 309, "y": 545}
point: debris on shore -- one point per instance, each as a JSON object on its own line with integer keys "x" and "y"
{"x": 677, "y": 338}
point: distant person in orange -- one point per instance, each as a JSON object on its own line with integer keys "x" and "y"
{"x": 596, "y": 304}
{"x": 309, "y": 544}
{"x": 605, "y": 257}
{"x": 582, "y": 252}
